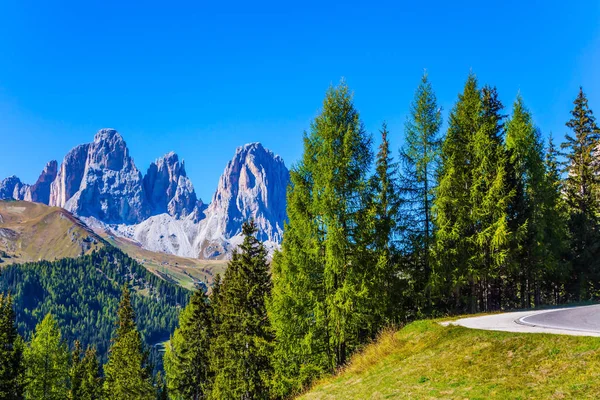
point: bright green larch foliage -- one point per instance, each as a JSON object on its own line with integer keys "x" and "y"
{"x": 455, "y": 273}
{"x": 420, "y": 158}
{"x": 47, "y": 361}
{"x": 321, "y": 287}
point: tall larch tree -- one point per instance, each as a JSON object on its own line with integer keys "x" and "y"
{"x": 489, "y": 199}
{"x": 127, "y": 373}
{"x": 420, "y": 158}
{"x": 242, "y": 347}
{"x": 455, "y": 274}
{"x": 12, "y": 366}
{"x": 47, "y": 363}
{"x": 186, "y": 360}
{"x": 581, "y": 188}
{"x": 321, "y": 288}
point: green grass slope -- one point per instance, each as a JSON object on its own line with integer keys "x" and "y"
{"x": 425, "y": 360}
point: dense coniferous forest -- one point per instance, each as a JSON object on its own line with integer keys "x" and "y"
{"x": 83, "y": 294}
{"x": 485, "y": 216}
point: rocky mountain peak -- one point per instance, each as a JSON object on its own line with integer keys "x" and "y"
{"x": 168, "y": 188}
{"x": 109, "y": 151}
{"x": 40, "y": 191}
{"x": 253, "y": 185}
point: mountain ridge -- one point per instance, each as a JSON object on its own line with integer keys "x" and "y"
{"x": 100, "y": 183}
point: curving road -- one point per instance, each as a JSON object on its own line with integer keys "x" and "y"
{"x": 578, "y": 321}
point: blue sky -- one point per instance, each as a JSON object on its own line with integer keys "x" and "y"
{"x": 201, "y": 78}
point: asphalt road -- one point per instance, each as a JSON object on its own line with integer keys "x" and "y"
{"x": 577, "y": 321}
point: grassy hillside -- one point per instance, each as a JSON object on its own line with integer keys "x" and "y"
{"x": 34, "y": 232}
{"x": 428, "y": 361}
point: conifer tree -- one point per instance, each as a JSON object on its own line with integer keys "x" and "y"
{"x": 383, "y": 217}
{"x": 555, "y": 224}
{"x": 86, "y": 383}
{"x": 420, "y": 158}
{"x": 11, "y": 353}
{"x": 581, "y": 189}
{"x": 525, "y": 151}
{"x": 243, "y": 340}
{"x": 454, "y": 270}
{"x": 186, "y": 359}
{"x": 127, "y": 373}
{"x": 321, "y": 287}
{"x": 47, "y": 363}
{"x": 490, "y": 198}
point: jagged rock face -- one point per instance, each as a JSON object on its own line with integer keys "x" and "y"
{"x": 168, "y": 188}
{"x": 111, "y": 188}
{"x": 40, "y": 191}
{"x": 253, "y": 186}
{"x": 8, "y": 186}
{"x": 68, "y": 180}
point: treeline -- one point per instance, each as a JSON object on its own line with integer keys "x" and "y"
{"x": 484, "y": 217}
{"x": 83, "y": 293}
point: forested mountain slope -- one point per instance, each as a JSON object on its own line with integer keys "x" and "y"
{"x": 83, "y": 295}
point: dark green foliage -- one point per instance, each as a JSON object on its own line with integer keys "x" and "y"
{"x": 128, "y": 374}
{"x": 581, "y": 187}
{"x": 242, "y": 348}
{"x": 82, "y": 294}
{"x": 186, "y": 360}
{"x": 12, "y": 367}
{"x": 86, "y": 383}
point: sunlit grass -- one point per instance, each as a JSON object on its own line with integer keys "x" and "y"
{"x": 427, "y": 361}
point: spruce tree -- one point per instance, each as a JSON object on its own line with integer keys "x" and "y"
{"x": 186, "y": 359}
{"x": 581, "y": 188}
{"x": 526, "y": 217}
{"x": 86, "y": 383}
{"x": 243, "y": 341}
{"x": 490, "y": 198}
{"x": 322, "y": 289}
{"x": 127, "y": 373}
{"x": 12, "y": 367}
{"x": 420, "y": 157}
{"x": 383, "y": 217}
{"x": 47, "y": 363}
{"x": 455, "y": 272}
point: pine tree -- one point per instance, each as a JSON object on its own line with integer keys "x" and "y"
{"x": 490, "y": 198}
{"x": 47, "y": 363}
{"x": 525, "y": 151}
{"x": 186, "y": 359}
{"x": 11, "y": 353}
{"x": 581, "y": 189}
{"x": 243, "y": 340}
{"x": 127, "y": 373}
{"x": 321, "y": 288}
{"x": 454, "y": 269}
{"x": 76, "y": 372}
{"x": 420, "y": 158}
